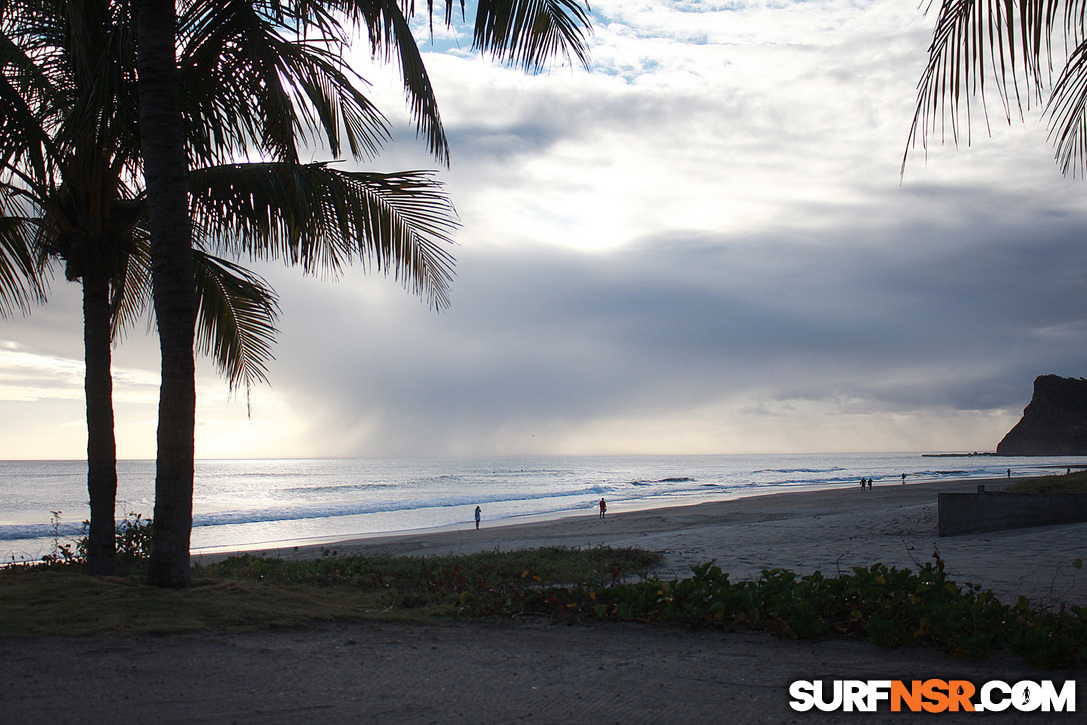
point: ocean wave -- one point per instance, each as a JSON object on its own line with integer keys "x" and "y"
{"x": 656, "y": 481}
{"x": 301, "y": 513}
{"x": 333, "y": 488}
{"x": 13, "y": 532}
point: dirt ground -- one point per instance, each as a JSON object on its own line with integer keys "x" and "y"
{"x": 474, "y": 673}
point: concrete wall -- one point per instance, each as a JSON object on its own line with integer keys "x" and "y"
{"x": 972, "y": 513}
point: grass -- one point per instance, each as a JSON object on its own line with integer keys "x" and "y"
{"x": 52, "y": 602}
{"x": 1062, "y": 483}
{"x": 245, "y": 593}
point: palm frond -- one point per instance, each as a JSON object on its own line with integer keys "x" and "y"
{"x": 1002, "y": 46}
{"x": 322, "y": 219}
{"x": 236, "y": 310}
{"x": 529, "y": 33}
{"x": 246, "y": 81}
{"x": 28, "y": 104}
{"x": 130, "y": 288}
{"x": 391, "y": 40}
{"x": 21, "y": 277}
{"x": 1067, "y": 109}
{"x": 236, "y": 316}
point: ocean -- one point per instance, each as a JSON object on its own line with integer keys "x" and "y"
{"x": 251, "y": 504}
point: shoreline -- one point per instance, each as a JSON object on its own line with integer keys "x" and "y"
{"x": 823, "y": 530}
{"x": 548, "y": 524}
{"x": 319, "y": 542}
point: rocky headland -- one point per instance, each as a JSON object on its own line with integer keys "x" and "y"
{"x": 1054, "y": 423}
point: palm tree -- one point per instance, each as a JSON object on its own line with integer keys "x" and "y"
{"x": 65, "y": 186}
{"x": 162, "y": 127}
{"x": 1014, "y": 45}
{"x": 524, "y": 32}
{"x": 67, "y": 165}
{"x": 307, "y": 214}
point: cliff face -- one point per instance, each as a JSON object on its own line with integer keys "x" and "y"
{"x": 1055, "y": 422}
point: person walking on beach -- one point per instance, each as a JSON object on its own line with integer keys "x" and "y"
{"x": 903, "y": 479}
{"x": 603, "y": 507}
{"x": 479, "y": 513}
{"x": 864, "y": 482}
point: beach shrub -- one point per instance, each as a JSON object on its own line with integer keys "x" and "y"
{"x": 890, "y": 606}
{"x": 62, "y": 553}
{"x": 133, "y": 541}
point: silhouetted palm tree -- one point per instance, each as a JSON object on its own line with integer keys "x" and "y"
{"x": 74, "y": 184}
{"x": 68, "y": 167}
{"x": 1009, "y": 47}
{"x": 284, "y": 100}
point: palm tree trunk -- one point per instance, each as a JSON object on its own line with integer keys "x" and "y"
{"x": 101, "y": 444}
{"x": 174, "y": 288}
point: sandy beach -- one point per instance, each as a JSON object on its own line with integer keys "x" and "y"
{"x": 533, "y": 672}
{"x": 828, "y": 531}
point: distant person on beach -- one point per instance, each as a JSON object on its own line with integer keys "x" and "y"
{"x": 903, "y": 479}
{"x": 603, "y": 508}
{"x": 864, "y": 482}
{"x": 479, "y": 513}
{"x": 1009, "y": 473}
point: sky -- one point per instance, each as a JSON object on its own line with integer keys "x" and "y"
{"x": 704, "y": 243}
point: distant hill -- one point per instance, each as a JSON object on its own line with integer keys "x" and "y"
{"x": 1055, "y": 422}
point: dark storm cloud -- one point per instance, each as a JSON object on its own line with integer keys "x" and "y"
{"x": 922, "y": 315}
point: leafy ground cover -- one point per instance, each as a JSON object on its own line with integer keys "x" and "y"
{"x": 892, "y": 607}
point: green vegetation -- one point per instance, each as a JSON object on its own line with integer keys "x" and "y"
{"x": 250, "y": 592}
{"x": 132, "y": 544}
{"x": 892, "y": 607}
{"x": 1070, "y": 483}
{"x": 35, "y": 602}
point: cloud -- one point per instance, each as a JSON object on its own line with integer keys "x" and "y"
{"x": 705, "y": 244}
{"x": 881, "y": 320}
